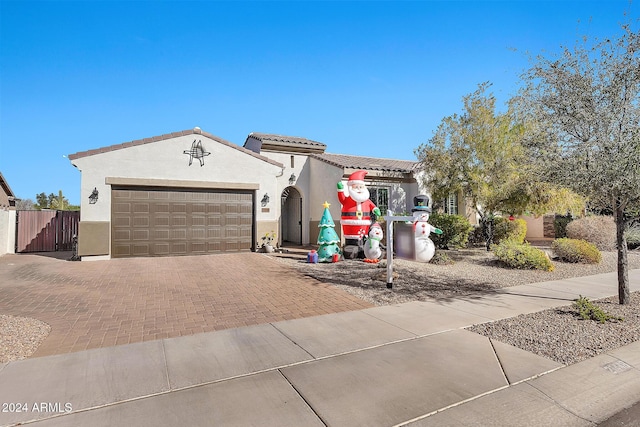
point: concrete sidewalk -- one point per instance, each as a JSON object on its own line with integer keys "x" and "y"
{"x": 407, "y": 364}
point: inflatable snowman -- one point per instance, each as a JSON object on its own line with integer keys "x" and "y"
{"x": 424, "y": 247}
{"x": 372, "y": 251}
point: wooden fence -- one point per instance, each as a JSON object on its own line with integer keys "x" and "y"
{"x": 46, "y": 231}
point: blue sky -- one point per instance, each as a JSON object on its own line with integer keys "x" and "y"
{"x": 365, "y": 78}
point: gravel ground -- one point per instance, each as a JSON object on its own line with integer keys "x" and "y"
{"x": 558, "y": 334}
{"x": 20, "y": 337}
{"x": 561, "y": 335}
{"x": 474, "y": 271}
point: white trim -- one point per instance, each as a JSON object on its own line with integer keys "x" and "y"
{"x": 355, "y": 221}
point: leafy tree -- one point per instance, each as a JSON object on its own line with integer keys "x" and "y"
{"x": 25, "y": 204}
{"x": 42, "y": 202}
{"x": 52, "y": 201}
{"x": 588, "y": 99}
{"x": 480, "y": 153}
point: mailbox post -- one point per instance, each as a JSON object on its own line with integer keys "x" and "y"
{"x": 390, "y": 219}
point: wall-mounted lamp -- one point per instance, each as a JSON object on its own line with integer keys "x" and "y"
{"x": 93, "y": 198}
{"x": 292, "y": 179}
{"x": 265, "y": 200}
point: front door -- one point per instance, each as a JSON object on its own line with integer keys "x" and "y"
{"x": 291, "y": 216}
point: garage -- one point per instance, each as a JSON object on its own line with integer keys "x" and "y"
{"x": 172, "y": 221}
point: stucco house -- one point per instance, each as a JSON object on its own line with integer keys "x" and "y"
{"x": 191, "y": 192}
{"x": 7, "y": 218}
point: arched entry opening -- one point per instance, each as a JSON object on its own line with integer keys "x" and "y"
{"x": 291, "y": 217}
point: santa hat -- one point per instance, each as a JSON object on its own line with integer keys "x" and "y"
{"x": 374, "y": 225}
{"x": 357, "y": 177}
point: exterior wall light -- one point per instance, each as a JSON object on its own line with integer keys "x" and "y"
{"x": 93, "y": 198}
{"x": 292, "y": 179}
{"x": 265, "y": 200}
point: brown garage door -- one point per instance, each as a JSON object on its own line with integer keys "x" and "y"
{"x": 160, "y": 222}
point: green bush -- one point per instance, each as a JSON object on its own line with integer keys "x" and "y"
{"x": 476, "y": 237}
{"x": 455, "y": 230}
{"x": 589, "y": 311}
{"x": 522, "y": 256}
{"x": 572, "y": 250}
{"x": 504, "y": 230}
{"x": 632, "y": 234}
{"x": 596, "y": 229}
{"x": 441, "y": 258}
{"x": 560, "y": 223}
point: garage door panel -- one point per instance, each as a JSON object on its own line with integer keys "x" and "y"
{"x": 160, "y": 195}
{"x": 161, "y": 208}
{"x": 141, "y": 235}
{"x": 162, "y": 248}
{"x": 199, "y": 247}
{"x": 179, "y": 248}
{"x": 198, "y": 220}
{"x": 122, "y": 207}
{"x": 122, "y": 234}
{"x": 214, "y": 220}
{"x": 141, "y": 208}
{"x": 161, "y": 234}
{"x": 156, "y": 222}
{"x": 179, "y": 208}
{"x": 121, "y": 221}
{"x": 161, "y": 220}
{"x": 179, "y": 234}
{"x": 141, "y": 221}
{"x": 140, "y": 249}
{"x": 178, "y": 220}
{"x": 121, "y": 250}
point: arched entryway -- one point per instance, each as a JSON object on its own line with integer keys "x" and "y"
{"x": 291, "y": 217}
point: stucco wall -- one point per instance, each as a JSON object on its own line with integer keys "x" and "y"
{"x": 325, "y": 178}
{"x": 535, "y": 228}
{"x": 7, "y": 231}
{"x": 301, "y": 171}
{"x": 165, "y": 160}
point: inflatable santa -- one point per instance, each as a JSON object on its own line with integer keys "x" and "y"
{"x": 356, "y": 214}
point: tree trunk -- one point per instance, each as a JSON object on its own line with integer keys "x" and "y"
{"x": 623, "y": 273}
{"x": 488, "y": 229}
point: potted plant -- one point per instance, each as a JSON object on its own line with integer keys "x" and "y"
{"x": 267, "y": 242}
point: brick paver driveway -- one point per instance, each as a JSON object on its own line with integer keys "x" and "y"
{"x": 103, "y": 303}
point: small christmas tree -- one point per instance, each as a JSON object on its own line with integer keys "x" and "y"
{"x": 328, "y": 238}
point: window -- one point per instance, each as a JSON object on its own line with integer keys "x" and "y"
{"x": 293, "y": 161}
{"x": 380, "y": 196}
{"x": 451, "y": 204}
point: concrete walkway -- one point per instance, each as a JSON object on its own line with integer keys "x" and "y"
{"x": 407, "y": 364}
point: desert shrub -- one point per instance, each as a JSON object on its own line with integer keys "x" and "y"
{"x": 589, "y": 311}
{"x": 476, "y": 237}
{"x": 441, "y": 258}
{"x": 522, "y": 256}
{"x": 499, "y": 229}
{"x": 632, "y": 234}
{"x": 560, "y": 225}
{"x": 504, "y": 229}
{"x": 455, "y": 230}
{"x": 572, "y": 250}
{"x": 596, "y": 229}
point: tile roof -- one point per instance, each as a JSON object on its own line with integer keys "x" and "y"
{"x": 287, "y": 141}
{"x": 371, "y": 163}
{"x": 5, "y": 186}
{"x": 195, "y": 131}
